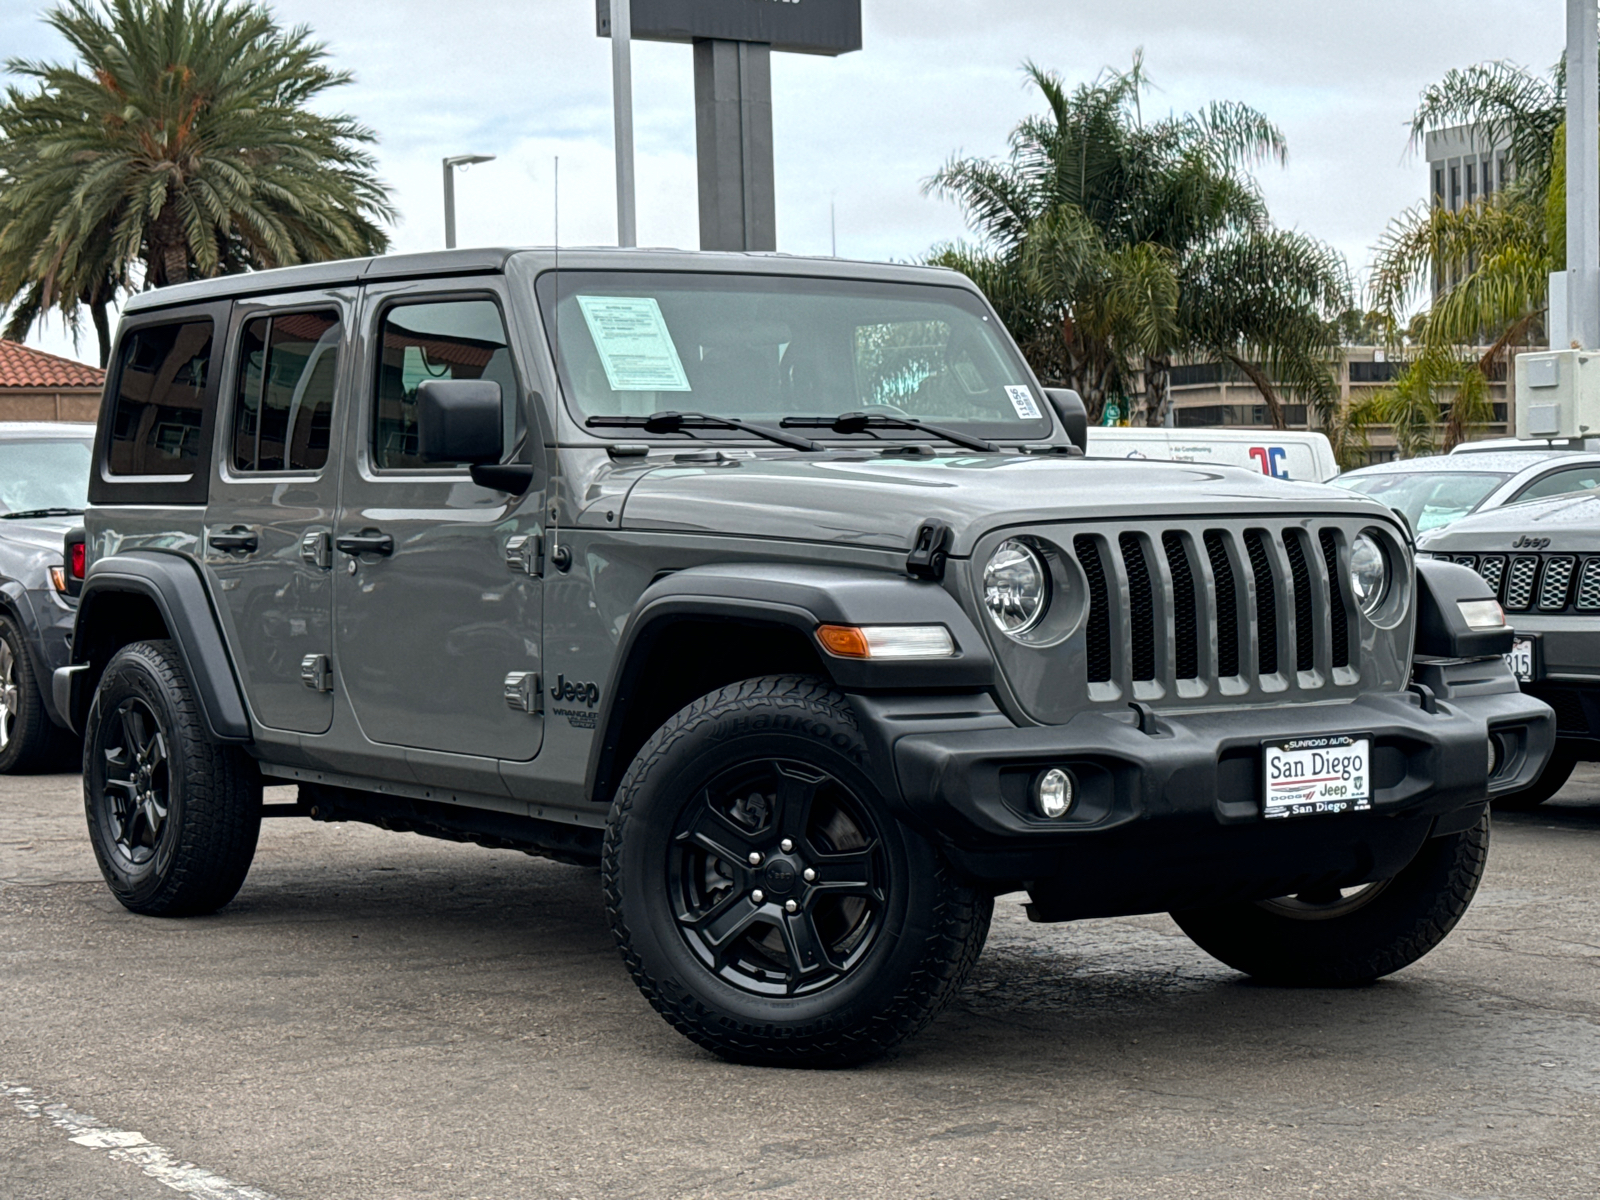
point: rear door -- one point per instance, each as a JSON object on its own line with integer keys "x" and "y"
{"x": 269, "y": 519}
{"x": 437, "y": 616}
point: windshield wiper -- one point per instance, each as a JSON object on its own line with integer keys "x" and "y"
{"x": 677, "y": 422}
{"x": 862, "y": 422}
{"x": 28, "y": 513}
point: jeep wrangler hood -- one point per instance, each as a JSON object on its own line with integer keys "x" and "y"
{"x": 878, "y": 501}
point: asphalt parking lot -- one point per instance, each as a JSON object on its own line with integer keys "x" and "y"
{"x": 382, "y": 1016}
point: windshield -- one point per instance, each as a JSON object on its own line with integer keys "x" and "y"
{"x": 41, "y": 474}
{"x": 761, "y": 348}
{"x": 1429, "y": 499}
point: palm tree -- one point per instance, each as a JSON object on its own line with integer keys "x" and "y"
{"x": 181, "y": 144}
{"x": 1489, "y": 262}
{"x": 1117, "y": 245}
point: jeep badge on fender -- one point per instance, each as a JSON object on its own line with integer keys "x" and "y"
{"x": 847, "y": 635}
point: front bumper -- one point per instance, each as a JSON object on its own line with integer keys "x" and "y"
{"x": 1172, "y": 816}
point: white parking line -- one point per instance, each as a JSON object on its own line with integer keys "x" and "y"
{"x": 125, "y": 1146}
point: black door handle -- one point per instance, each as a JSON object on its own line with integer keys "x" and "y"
{"x": 368, "y": 541}
{"x": 237, "y": 538}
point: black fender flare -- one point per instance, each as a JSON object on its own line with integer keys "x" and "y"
{"x": 791, "y": 596}
{"x": 174, "y": 585}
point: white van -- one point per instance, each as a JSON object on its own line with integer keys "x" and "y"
{"x": 1286, "y": 454}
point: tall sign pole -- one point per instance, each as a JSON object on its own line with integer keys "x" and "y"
{"x": 622, "y": 103}
{"x": 733, "y": 42}
{"x": 1583, "y": 174}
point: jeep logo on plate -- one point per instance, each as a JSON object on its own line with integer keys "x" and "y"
{"x": 589, "y": 693}
{"x": 1530, "y": 543}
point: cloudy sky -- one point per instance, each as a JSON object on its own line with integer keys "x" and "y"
{"x": 528, "y": 80}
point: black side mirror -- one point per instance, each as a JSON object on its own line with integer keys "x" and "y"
{"x": 1074, "y": 416}
{"x": 459, "y": 421}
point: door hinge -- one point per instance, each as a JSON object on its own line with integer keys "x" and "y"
{"x": 522, "y": 692}
{"x": 316, "y": 548}
{"x": 525, "y": 553}
{"x": 316, "y": 672}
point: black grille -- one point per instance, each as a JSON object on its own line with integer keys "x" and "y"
{"x": 1305, "y": 648}
{"x": 1185, "y": 624}
{"x": 1550, "y": 583}
{"x": 1097, "y": 635}
{"x": 1266, "y": 602}
{"x": 1340, "y": 630}
{"x": 1141, "y": 607}
{"x": 1227, "y": 604}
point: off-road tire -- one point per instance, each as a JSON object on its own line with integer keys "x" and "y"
{"x": 213, "y": 791}
{"x": 36, "y": 742}
{"x": 1404, "y": 920}
{"x": 1551, "y": 780}
{"x": 934, "y": 924}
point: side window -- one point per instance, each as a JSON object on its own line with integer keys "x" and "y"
{"x": 453, "y": 339}
{"x": 1559, "y": 483}
{"x": 161, "y": 385}
{"x": 283, "y": 403}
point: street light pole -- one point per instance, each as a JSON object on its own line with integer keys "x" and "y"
{"x": 622, "y": 106}
{"x": 1583, "y": 174}
{"x": 450, "y": 165}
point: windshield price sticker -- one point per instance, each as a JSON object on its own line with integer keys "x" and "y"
{"x": 1313, "y": 775}
{"x": 634, "y": 343}
{"x": 1520, "y": 659}
{"x": 1022, "y": 400}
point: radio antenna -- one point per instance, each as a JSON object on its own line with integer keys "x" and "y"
{"x": 555, "y": 361}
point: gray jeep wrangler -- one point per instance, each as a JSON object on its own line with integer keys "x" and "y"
{"x": 1542, "y": 559}
{"x": 782, "y": 591}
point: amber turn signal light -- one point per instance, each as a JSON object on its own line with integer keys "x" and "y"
{"x": 886, "y": 641}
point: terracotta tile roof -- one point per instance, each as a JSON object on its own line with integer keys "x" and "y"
{"x": 24, "y": 367}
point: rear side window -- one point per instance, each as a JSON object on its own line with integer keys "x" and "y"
{"x": 1559, "y": 483}
{"x": 453, "y": 339}
{"x": 160, "y": 403}
{"x": 283, "y": 401}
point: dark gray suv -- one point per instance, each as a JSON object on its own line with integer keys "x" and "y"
{"x": 782, "y": 591}
{"x": 44, "y": 477}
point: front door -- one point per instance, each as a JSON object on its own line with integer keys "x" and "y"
{"x": 436, "y": 623}
{"x": 269, "y": 518}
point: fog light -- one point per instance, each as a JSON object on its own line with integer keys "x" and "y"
{"x": 1497, "y": 754}
{"x": 1052, "y": 793}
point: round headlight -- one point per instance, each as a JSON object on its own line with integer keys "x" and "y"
{"x": 1016, "y": 587}
{"x": 1369, "y": 573}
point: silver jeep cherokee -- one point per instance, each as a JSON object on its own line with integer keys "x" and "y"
{"x": 781, "y": 590}
{"x": 1542, "y": 559}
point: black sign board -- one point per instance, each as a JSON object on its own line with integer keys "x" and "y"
{"x": 801, "y": 26}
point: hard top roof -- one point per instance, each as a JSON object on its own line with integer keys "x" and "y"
{"x": 491, "y": 260}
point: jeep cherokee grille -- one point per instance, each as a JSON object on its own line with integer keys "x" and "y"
{"x": 1546, "y": 583}
{"x": 1253, "y": 605}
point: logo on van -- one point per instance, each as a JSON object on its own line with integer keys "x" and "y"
{"x": 1530, "y": 543}
{"x": 587, "y": 692}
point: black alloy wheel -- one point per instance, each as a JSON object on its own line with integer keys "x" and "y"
{"x": 778, "y": 878}
{"x": 764, "y": 896}
{"x": 137, "y": 783}
{"x": 173, "y": 815}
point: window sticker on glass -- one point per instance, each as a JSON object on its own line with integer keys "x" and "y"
{"x": 635, "y": 346}
{"x": 1022, "y": 400}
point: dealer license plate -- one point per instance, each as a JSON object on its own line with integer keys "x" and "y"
{"x": 1520, "y": 659}
{"x": 1307, "y": 776}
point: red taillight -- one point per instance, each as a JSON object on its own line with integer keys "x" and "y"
{"x": 79, "y": 560}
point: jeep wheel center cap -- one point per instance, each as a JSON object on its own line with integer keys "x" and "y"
{"x": 779, "y": 876}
